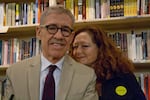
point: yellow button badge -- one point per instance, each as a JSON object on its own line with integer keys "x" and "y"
{"x": 121, "y": 90}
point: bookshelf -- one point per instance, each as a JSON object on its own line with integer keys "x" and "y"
{"x": 109, "y": 24}
{"x": 17, "y": 31}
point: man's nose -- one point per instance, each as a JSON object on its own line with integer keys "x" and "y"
{"x": 58, "y": 34}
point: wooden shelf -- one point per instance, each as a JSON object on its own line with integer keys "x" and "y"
{"x": 17, "y": 31}
{"x": 111, "y": 24}
{"x": 3, "y": 70}
{"x": 3, "y": 67}
{"x": 142, "y": 66}
{"x": 121, "y": 23}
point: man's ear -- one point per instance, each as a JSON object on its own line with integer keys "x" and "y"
{"x": 38, "y": 32}
{"x": 70, "y": 43}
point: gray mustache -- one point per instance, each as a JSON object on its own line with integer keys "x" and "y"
{"x": 60, "y": 41}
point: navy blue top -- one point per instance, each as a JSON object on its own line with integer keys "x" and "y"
{"x": 122, "y": 87}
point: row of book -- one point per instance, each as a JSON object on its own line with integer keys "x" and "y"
{"x": 29, "y": 13}
{"x": 144, "y": 81}
{"x": 92, "y": 9}
{"x": 22, "y": 13}
{"x": 14, "y": 50}
{"x": 18, "y": 14}
{"x": 135, "y": 44}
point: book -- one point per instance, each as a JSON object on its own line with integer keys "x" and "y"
{"x": 52, "y": 2}
{"x": 13, "y": 14}
{"x": 83, "y": 9}
{"x": 105, "y": 8}
{"x": 17, "y": 17}
{"x": 133, "y": 47}
{"x": 76, "y": 9}
{"x": 69, "y": 4}
{"x": 97, "y": 9}
{"x": 144, "y": 45}
{"x": 139, "y": 53}
{"x": 1, "y": 52}
{"x": 80, "y": 9}
{"x": 5, "y": 52}
{"x": 2, "y": 14}
{"x": 91, "y": 9}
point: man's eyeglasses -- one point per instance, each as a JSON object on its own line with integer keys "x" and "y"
{"x": 53, "y": 29}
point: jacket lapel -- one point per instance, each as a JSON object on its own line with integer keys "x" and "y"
{"x": 65, "y": 80}
{"x": 64, "y": 84}
{"x": 34, "y": 79}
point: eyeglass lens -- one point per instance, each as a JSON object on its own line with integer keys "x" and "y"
{"x": 52, "y": 29}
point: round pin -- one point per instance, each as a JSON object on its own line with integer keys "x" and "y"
{"x": 121, "y": 90}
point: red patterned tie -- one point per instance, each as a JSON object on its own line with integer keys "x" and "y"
{"x": 49, "y": 86}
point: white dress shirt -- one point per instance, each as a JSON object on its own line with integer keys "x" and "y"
{"x": 44, "y": 71}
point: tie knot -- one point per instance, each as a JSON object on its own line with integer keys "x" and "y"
{"x": 52, "y": 68}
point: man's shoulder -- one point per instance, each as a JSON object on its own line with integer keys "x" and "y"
{"x": 25, "y": 62}
{"x": 80, "y": 67}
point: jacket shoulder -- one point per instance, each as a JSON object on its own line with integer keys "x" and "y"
{"x": 24, "y": 64}
{"x": 79, "y": 67}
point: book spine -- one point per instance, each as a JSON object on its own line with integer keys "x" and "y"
{"x": 80, "y": 9}
{"x": 97, "y": 9}
{"x": 144, "y": 46}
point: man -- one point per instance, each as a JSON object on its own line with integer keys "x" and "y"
{"x": 73, "y": 81}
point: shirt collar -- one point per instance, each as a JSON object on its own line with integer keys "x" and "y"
{"x": 45, "y": 63}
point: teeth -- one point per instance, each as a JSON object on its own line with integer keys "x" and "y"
{"x": 57, "y": 44}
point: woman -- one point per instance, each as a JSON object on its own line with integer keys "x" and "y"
{"x": 115, "y": 78}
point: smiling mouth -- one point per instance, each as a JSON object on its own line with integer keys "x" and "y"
{"x": 80, "y": 58}
{"x": 57, "y": 44}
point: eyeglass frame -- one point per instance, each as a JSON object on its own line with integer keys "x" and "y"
{"x": 61, "y": 28}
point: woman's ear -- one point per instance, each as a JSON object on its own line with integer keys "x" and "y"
{"x": 38, "y": 32}
{"x": 72, "y": 37}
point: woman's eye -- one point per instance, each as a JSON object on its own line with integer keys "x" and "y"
{"x": 85, "y": 46}
{"x": 81, "y": 46}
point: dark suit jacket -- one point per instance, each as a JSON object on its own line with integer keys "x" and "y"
{"x": 77, "y": 81}
{"x": 122, "y": 87}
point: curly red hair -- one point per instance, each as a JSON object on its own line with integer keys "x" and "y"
{"x": 110, "y": 60}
